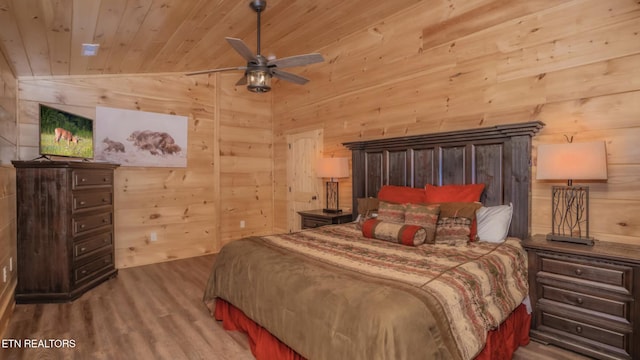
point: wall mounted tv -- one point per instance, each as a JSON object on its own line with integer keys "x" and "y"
{"x": 65, "y": 134}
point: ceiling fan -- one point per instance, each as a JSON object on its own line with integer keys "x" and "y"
{"x": 259, "y": 70}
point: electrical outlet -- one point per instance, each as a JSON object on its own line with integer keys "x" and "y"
{"x": 242, "y": 224}
{"x": 153, "y": 236}
{"x": 4, "y": 274}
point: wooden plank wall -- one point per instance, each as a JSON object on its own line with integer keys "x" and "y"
{"x": 246, "y": 176}
{"x": 189, "y": 208}
{"x": 449, "y": 65}
{"x": 8, "y": 221}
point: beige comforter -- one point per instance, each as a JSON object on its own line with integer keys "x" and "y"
{"x": 330, "y": 293}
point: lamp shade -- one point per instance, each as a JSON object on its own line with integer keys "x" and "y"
{"x": 572, "y": 161}
{"x": 332, "y": 168}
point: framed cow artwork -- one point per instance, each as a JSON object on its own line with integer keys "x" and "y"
{"x": 140, "y": 138}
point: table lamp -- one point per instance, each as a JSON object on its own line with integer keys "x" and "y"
{"x": 570, "y": 204}
{"x": 332, "y": 169}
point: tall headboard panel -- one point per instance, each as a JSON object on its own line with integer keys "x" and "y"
{"x": 498, "y": 156}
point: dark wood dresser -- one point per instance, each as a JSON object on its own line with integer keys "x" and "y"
{"x": 65, "y": 228}
{"x": 313, "y": 218}
{"x": 586, "y": 298}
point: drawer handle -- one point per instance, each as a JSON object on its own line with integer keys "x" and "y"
{"x": 83, "y": 272}
{"x": 82, "y": 249}
{"x": 82, "y": 226}
{"x": 104, "y": 179}
{"x": 578, "y": 272}
{"x": 82, "y": 202}
{"x": 104, "y": 241}
{"x": 579, "y": 329}
{"x": 83, "y": 179}
{"x": 104, "y": 200}
{"x": 104, "y": 221}
{"x": 579, "y": 300}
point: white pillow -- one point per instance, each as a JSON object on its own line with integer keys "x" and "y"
{"x": 494, "y": 222}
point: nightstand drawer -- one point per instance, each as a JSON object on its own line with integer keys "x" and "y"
{"x": 597, "y": 272}
{"x": 313, "y": 223}
{"x": 315, "y": 218}
{"x": 584, "y": 301}
{"x": 614, "y": 341}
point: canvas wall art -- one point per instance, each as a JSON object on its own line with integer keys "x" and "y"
{"x": 140, "y": 138}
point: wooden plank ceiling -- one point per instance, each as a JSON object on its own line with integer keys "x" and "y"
{"x": 44, "y": 37}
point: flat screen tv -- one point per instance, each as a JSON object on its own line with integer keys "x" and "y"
{"x": 65, "y": 134}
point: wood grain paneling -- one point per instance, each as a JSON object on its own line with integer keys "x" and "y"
{"x": 44, "y": 38}
{"x": 442, "y": 66}
{"x": 192, "y": 210}
{"x": 246, "y": 179}
{"x": 8, "y": 221}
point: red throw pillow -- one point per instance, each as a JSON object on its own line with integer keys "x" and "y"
{"x": 450, "y": 193}
{"x": 401, "y": 194}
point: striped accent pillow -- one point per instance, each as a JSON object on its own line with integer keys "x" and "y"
{"x": 390, "y": 212}
{"x": 453, "y": 231}
{"x": 425, "y": 216}
{"x": 405, "y": 234}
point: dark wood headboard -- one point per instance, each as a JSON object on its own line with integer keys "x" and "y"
{"x": 498, "y": 156}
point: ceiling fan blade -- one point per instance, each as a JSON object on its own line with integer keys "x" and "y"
{"x": 284, "y": 75}
{"x": 297, "y": 60}
{"x": 242, "y": 81}
{"x": 216, "y": 70}
{"x": 242, "y": 49}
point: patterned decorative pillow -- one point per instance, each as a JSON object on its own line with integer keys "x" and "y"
{"x": 425, "y": 216}
{"x": 391, "y": 212}
{"x": 405, "y": 234}
{"x": 453, "y": 231}
{"x": 462, "y": 209}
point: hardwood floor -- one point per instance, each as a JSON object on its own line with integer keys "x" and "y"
{"x": 150, "y": 312}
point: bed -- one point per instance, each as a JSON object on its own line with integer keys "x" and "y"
{"x": 332, "y": 293}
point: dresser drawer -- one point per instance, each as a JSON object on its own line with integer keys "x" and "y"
{"x": 86, "y": 271}
{"x": 83, "y": 224}
{"x": 88, "y": 246}
{"x": 87, "y": 178}
{"x": 88, "y": 199}
{"x": 602, "y": 273}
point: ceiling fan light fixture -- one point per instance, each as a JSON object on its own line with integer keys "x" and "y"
{"x": 258, "y": 80}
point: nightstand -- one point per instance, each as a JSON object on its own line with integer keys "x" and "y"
{"x": 586, "y": 298}
{"x": 315, "y": 218}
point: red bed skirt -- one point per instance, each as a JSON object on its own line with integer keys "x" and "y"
{"x": 501, "y": 343}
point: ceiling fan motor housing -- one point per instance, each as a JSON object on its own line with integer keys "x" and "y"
{"x": 258, "y": 5}
{"x": 260, "y": 70}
